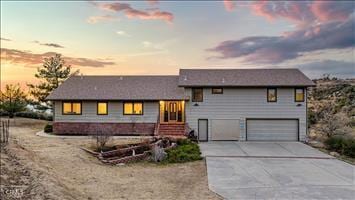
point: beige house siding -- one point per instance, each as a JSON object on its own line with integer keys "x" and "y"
{"x": 245, "y": 103}
{"x": 115, "y": 113}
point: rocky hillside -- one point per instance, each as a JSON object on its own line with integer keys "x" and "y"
{"x": 331, "y": 108}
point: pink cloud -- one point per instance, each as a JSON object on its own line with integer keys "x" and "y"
{"x": 29, "y": 59}
{"x": 104, "y": 18}
{"x": 303, "y": 13}
{"x": 229, "y": 5}
{"x": 152, "y": 2}
{"x": 130, "y": 12}
{"x": 332, "y": 11}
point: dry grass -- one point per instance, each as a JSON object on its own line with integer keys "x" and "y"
{"x": 56, "y": 168}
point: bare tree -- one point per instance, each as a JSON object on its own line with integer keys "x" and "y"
{"x": 102, "y": 138}
{"x": 332, "y": 123}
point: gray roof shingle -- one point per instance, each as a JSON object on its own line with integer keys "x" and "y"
{"x": 243, "y": 77}
{"x": 119, "y": 88}
{"x": 171, "y": 87}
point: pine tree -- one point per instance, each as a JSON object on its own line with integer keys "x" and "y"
{"x": 13, "y": 100}
{"x": 53, "y": 72}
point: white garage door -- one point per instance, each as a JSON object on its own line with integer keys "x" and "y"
{"x": 272, "y": 130}
{"x": 225, "y": 129}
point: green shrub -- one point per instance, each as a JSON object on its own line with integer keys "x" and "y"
{"x": 185, "y": 151}
{"x": 35, "y": 115}
{"x": 349, "y": 148}
{"x": 48, "y": 128}
{"x": 342, "y": 145}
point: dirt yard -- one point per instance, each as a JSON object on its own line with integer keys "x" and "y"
{"x": 53, "y": 168}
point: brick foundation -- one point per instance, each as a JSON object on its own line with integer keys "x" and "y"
{"x": 87, "y": 128}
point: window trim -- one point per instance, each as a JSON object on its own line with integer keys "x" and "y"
{"x": 303, "y": 92}
{"x": 267, "y": 95}
{"x": 192, "y": 94}
{"x": 217, "y": 92}
{"x": 71, "y": 104}
{"x": 97, "y": 107}
{"x": 133, "y": 102}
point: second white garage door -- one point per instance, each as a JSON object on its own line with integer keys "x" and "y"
{"x": 272, "y": 130}
{"x": 225, "y": 129}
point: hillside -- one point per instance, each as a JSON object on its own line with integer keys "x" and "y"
{"x": 331, "y": 108}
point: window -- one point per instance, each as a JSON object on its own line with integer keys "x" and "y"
{"x": 271, "y": 95}
{"x": 102, "y": 108}
{"x": 299, "y": 95}
{"x": 197, "y": 95}
{"x": 217, "y": 90}
{"x": 133, "y": 108}
{"x": 71, "y": 108}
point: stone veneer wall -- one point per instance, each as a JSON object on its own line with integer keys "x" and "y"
{"x": 87, "y": 128}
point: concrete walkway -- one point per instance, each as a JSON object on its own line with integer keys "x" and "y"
{"x": 260, "y": 149}
{"x": 286, "y": 170}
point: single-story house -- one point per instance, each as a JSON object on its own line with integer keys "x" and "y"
{"x": 218, "y": 104}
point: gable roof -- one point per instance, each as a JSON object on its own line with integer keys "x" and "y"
{"x": 119, "y": 88}
{"x": 243, "y": 77}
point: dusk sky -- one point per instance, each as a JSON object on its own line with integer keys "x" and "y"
{"x": 159, "y": 37}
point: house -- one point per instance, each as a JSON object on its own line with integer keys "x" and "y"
{"x": 218, "y": 104}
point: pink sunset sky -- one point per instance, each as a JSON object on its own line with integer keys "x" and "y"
{"x": 159, "y": 37}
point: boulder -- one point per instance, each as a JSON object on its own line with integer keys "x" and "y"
{"x": 158, "y": 154}
{"x": 335, "y": 154}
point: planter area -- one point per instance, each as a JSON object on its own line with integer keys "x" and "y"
{"x": 153, "y": 149}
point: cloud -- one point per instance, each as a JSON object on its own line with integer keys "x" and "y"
{"x": 5, "y": 39}
{"x": 229, "y": 5}
{"x": 340, "y": 69}
{"x": 152, "y": 2}
{"x": 123, "y": 33}
{"x": 30, "y": 59}
{"x": 48, "y": 44}
{"x": 130, "y": 12}
{"x": 104, "y": 18}
{"x": 316, "y": 30}
{"x": 266, "y": 49}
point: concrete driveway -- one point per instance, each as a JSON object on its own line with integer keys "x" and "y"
{"x": 276, "y": 170}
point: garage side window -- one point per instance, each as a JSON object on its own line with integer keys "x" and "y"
{"x": 271, "y": 95}
{"x": 71, "y": 108}
{"x": 197, "y": 95}
{"x": 299, "y": 95}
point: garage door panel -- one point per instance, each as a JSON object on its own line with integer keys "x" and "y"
{"x": 225, "y": 129}
{"x": 272, "y": 130}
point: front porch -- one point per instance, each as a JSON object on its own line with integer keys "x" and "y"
{"x": 171, "y": 120}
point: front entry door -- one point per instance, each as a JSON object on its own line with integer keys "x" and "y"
{"x": 172, "y": 111}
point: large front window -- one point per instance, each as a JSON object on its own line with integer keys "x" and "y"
{"x": 71, "y": 108}
{"x": 197, "y": 95}
{"x": 133, "y": 108}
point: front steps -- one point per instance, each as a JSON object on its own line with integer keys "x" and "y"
{"x": 172, "y": 129}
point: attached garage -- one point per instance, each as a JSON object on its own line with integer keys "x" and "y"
{"x": 272, "y": 130}
{"x": 225, "y": 129}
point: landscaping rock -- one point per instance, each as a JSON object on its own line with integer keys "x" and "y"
{"x": 316, "y": 144}
{"x": 335, "y": 154}
{"x": 159, "y": 154}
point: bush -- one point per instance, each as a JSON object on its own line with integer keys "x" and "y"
{"x": 342, "y": 145}
{"x": 185, "y": 151}
{"x": 48, "y": 128}
{"x": 35, "y": 115}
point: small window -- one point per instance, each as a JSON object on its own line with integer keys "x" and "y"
{"x": 197, "y": 95}
{"x": 271, "y": 95}
{"x": 217, "y": 90}
{"x": 71, "y": 108}
{"x": 299, "y": 95}
{"x": 102, "y": 108}
{"x": 133, "y": 108}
